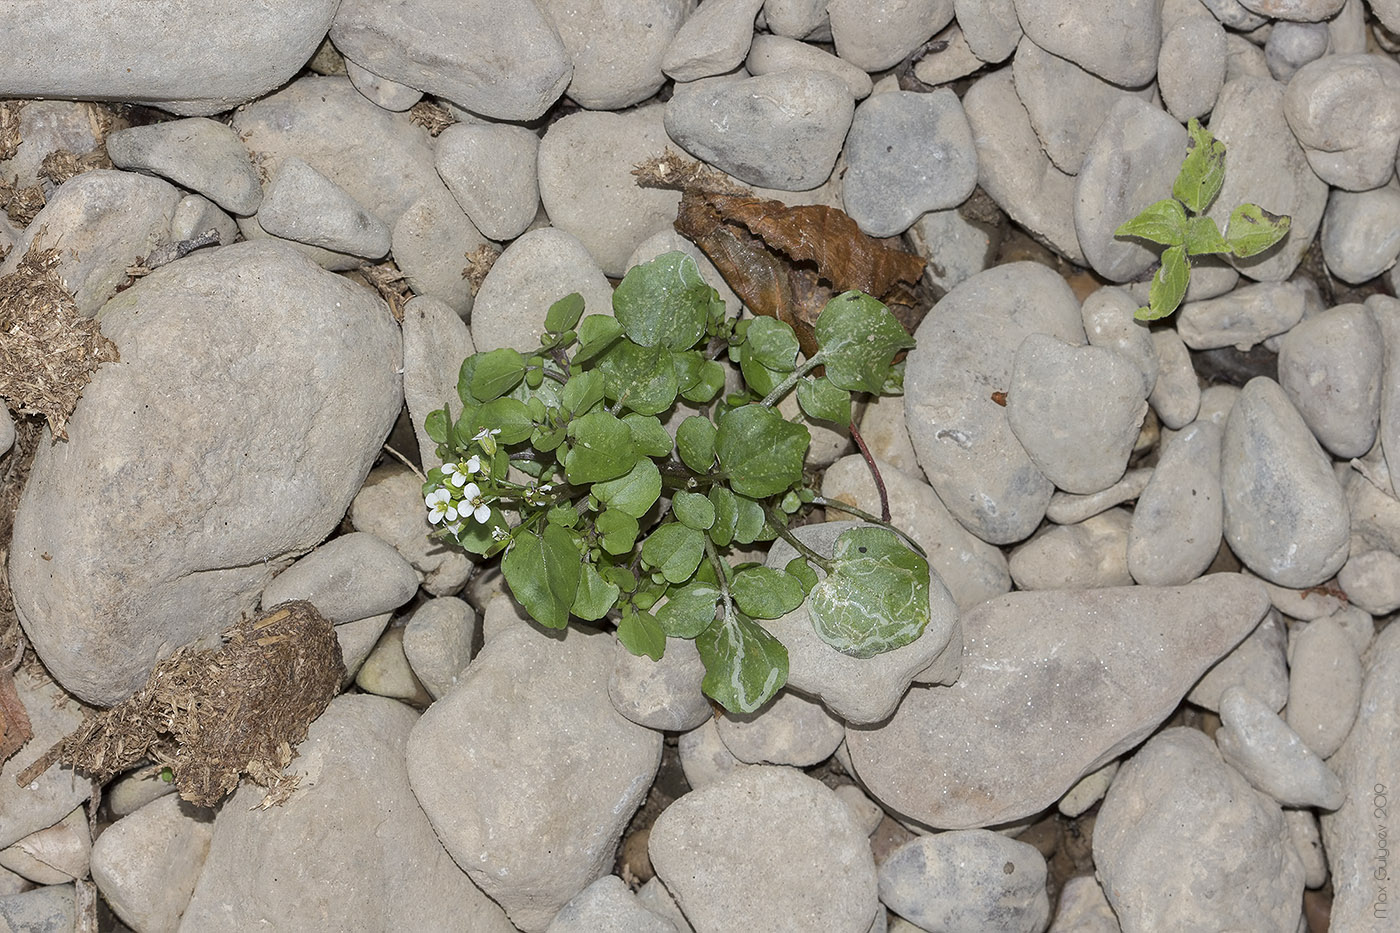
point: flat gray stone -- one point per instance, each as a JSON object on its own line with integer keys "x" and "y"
{"x": 880, "y": 37}
{"x": 1271, "y": 756}
{"x": 390, "y": 95}
{"x": 1067, "y": 508}
{"x": 490, "y": 170}
{"x": 1307, "y": 11}
{"x": 500, "y": 60}
{"x": 948, "y": 59}
{"x": 714, "y": 39}
{"x": 1330, "y": 368}
{"x": 146, "y": 864}
{"x": 26, "y": 809}
{"x": 302, "y": 204}
{"x": 1083, "y": 908}
{"x": 490, "y": 772}
{"x": 770, "y": 53}
{"x": 797, "y": 19}
{"x": 1324, "y": 685}
{"x": 437, "y": 641}
{"x": 196, "y": 215}
{"x": 1191, "y": 65}
{"x": 1287, "y": 521}
{"x": 991, "y": 27}
{"x": 196, "y": 153}
{"x": 663, "y": 695}
{"x": 781, "y": 130}
{"x": 766, "y": 848}
{"x": 1109, "y": 322}
{"x": 1291, "y": 45}
{"x": 970, "y": 755}
{"x": 435, "y": 342}
{"x": 607, "y": 906}
{"x": 1386, "y": 311}
{"x": 1371, "y": 580}
{"x": 172, "y": 553}
{"x": 791, "y": 729}
{"x": 1118, "y": 41}
{"x": 971, "y": 879}
{"x": 378, "y": 865}
{"x": 705, "y": 758}
{"x": 955, "y": 248}
{"x": 1361, "y": 232}
{"x": 1178, "y": 520}
{"x": 351, "y": 577}
{"x": 1168, "y": 838}
{"x": 387, "y": 673}
{"x": 965, "y": 351}
{"x": 430, "y": 242}
{"x": 1092, "y": 553}
{"x": 907, "y": 154}
{"x": 1242, "y": 318}
{"x": 616, "y": 47}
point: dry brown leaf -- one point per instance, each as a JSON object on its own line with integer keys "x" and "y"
{"x": 211, "y": 716}
{"x": 15, "y": 729}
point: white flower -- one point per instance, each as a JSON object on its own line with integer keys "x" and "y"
{"x": 473, "y": 499}
{"x": 458, "y": 473}
{"x": 499, "y": 534}
{"x": 483, "y": 434}
{"x": 473, "y": 465}
{"x": 440, "y": 505}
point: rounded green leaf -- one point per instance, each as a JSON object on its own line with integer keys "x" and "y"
{"x": 693, "y": 510}
{"x": 744, "y": 664}
{"x": 707, "y": 386}
{"x": 648, "y": 434}
{"x": 765, "y": 593}
{"x": 582, "y": 392}
{"x": 859, "y": 337}
{"x": 435, "y": 425}
{"x": 759, "y": 451}
{"x": 634, "y": 492}
{"x": 1168, "y": 285}
{"x": 1202, "y": 171}
{"x": 643, "y": 379}
{"x": 771, "y": 342}
{"x": 596, "y": 334}
{"x": 510, "y": 416}
{"x": 695, "y": 442}
{"x": 689, "y": 610}
{"x": 496, "y": 373}
{"x": 543, "y": 573}
{"x": 564, "y": 313}
{"x": 726, "y": 515}
{"x": 481, "y": 537}
{"x": 1203, "y": 237}
{"x": 1252, "y": 229}
{"x": 664, "y": 302}
{"x": 823, "y": 401}
{"x": 674, "y": 550}
{"x": 1163, "y": 222}
{"x": 799, "y": 568}
{"x": 875, "y": 598}
{"x": 595, "y": 596}
{"x": 641, "y": 634}
{"x": 749, "y": 522}
{"x": 602, "y": 448}
{"x": 617, "y": 529}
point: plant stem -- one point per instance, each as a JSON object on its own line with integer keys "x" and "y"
{"x": 778, "y": 524}
{"x": 875, "y": 472}
{"x": 784, "y": 387}
{"x": 840, "y": 506}
{"x": 720, "y": 567}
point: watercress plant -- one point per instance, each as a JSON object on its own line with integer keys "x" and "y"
{"x": 1178, "y": 224}
{"x": 559, "y": 460}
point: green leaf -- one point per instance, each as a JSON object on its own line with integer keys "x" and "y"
{"x": 709, "y": 384}
{"x": 1163, "y": 222}
{"x": 643, "y": 378}
{"x": 496, "y": 373}
{"x": 543, "y": 572}
{"x": 799, "y": 568}
{"x": 648, "y": 434}
{"x": 464, "y": 381}
{"x": 563, "y": 514}
{"x": 582, "y": 392}
{"x": 760, "y": 379}
{"x": 1168, "y": 286}
{"x": 695, "y": 442}
{"x": 726, "y": 515}
{"x": 744, "y": 664}
{"x": 596, "y": 333}
{"x": 435, "y": 425}
{"x": 477, "y": 538}
{"x": 765, "y": 593}
{"x": 693, "y": 510}
{"x": 876, "y": 597}
{"x": 822, "y": 400}
{"x": 760, "y": 451}
{"x": 664, "y": 302}
{"x": 634, "y": 492}
{"x": 858, "y": 338}
{"x": 620, "y": 577}
{"x": 641, "y": 634}
{"x": 595, "y": 596}
{"x": 1252, "y": 229}
{"x": 545, "y": 439}
{"x": 618, "y": 531}
{"x": 602, "y": 448}
{"x": 1203, "y": 170}
{"x": 1203, "y": 237}
{"x": 773, "y": 343}
{"x": 510, "y": 415}
{"x": 564, "y": 313}
{"x": 675, "y": 550}
{"x": 689, "y": 610}
{"x": 748, "y": 525}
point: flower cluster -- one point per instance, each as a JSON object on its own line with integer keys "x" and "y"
{"x": 458, "y": 497}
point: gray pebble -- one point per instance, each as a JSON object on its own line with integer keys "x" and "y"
{"x": 1371, "y": 580}
{"x": 302, "y": 204}
{"x": 874, "y": 38}
{"x": 1306, "y": 11}
{"x": 663, "y": 695}
{"x": 390, "y": 506}
{"x": 1013, "y": 169}
{"x": 972, "y": 879}
{"x": 796, "y": 19}
{"x": 1233, "y": 14}
{"x": 770, "y": 53}
{"x": 616, "y": 47}
{"x": 883, "y": 429}
{"x": 1066, "y": 105}
{"x": 1242, "y": 318}
{"x": 1080, "y": 448}
{"x": 655, "y": 898}
{"x": 430, "y": 241}
{"x": 535, "y": 271}
{"x": 435, "y": 342}
{"x": 1088, "y": 791}
{"x": 1191, "y": 66}
{"x": 1109, "y": 322}
{"x": 949, "y": 58}
{"x": 1387, "y": 314}
{"x": 1116, "y": 41}
{"x": 1177, "y": 814}
{"x": 146, "y": 864}
{"x": 705, "y": 758}
{"x": 1267, "y": 167}
{"x": 1083, "y": 908}
{"x": 490, "y": 170}
{"x": 1347, "y": 30}
{"x": 438, "y": 642}
{"x": 356, "y": 640}
{"x": 1324, "y": 685}
{"x": 1286, "y": 516}
{"x": 955, "y": 248}
{"x": 1293, "y": 45}
{"x": 1258, "y": 664}
{"x": 867, "y": 812}
{"x": 1271, "y": 756}
{"x": 1361, "y": 232}
{"x": 1306, "y": 836}
{"x": 1068, "y": 508}
{"x": 1176, "y": 395}
{"x": 44, "y": 127}
{"x": 714, "y": 39}
{"x": 906, "y": 154}
{"x": 196, "y": 215}
{"x": 348, "y": 578}
{"x": 387, "y": 673}
{"x": 961, "y": 435}
{"x": 1092, "y": 553}
{"x": 587, "y": 186}
{"x": 504, "y": 61}
{"x": 197, "y": 153}
{"x": 607, "y": 906}
{"x": 390, "y": 95}
{"x": 1330, "y": 368}
{"x": 781, "y": 130}
{"x": 990, "y": 27}
{"x": 1131, "y": 160}
{"x": 1177, "y": 522}
{"x": 789, "y": 730}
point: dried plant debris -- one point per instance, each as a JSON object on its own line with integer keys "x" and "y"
{"x": 15, "y": 729}
{"x": 21, "y": 205}
{"x": 60, "y": 165}
{"x": 10, "y": 137}
{"x": 211, "y": 716}
{"x": 48, "y": 352}
{"x": 387, "y": 279}
{"x": 479, "y": 262}
{"x": 431, "y": 116}
{"x": 785, "y": 262}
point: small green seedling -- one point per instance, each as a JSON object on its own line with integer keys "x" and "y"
{"x": 559, "y": 460}
{"x": 1178, "y": 224}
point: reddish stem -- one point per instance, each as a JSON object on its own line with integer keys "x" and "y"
{"x": 875, "y": 472}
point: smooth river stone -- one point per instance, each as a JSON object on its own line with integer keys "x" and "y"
{"x": 1054, "y": 684}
